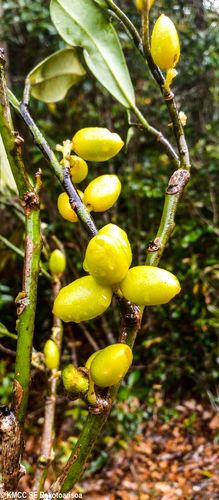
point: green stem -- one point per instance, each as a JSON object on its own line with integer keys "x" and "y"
{"x": 5, "y": 333}
{"x": 74, "y": 468}
{"x": 131, "y": 319}
{"x": 127, "y": 23}
{"x": 177, "y": 183}
{"x": 20, "y": 252}
{"x": 26, "y": 307}
{"x": 28, "y": 296}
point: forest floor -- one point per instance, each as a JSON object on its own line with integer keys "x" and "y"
{"x": 178, "y": 459}
{"x": 171, "y": 458}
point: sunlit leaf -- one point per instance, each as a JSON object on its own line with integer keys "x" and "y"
{"x": 52, "y": 78}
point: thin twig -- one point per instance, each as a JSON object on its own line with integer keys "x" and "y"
{"x": 20, "y": 252}
{"x": 46, "y": 455}
{"x": 47, "y": 152}
{"x": 159, "y": 136}
{"x": 7, "y": 351}
{"x": 89, "y": 337}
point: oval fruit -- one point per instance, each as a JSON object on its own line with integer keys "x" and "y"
{"x": 51, "y": 353}
{"x": 81, "y": 300}
{"x": 74, "y": 380}
{"x": 65, "y": 209}
{"x": 165, "y": 46}
{"x": 117, "y": 233}
{"x": 78, "y": 168}
{"x": 96, "y": 144}
{"x": 57, "y": 262}
{"x": 91, "y": 358}
{"x": 111, "y": 364}
{"x": 102, "y": 193}
{"x": 149, "y": 286}
{"x": 107, "y": 259}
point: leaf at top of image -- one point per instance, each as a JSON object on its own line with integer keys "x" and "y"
{"x": 52, "y": 78}
{"x": 84, "y": 23}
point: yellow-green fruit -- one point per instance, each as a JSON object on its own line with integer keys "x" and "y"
{"x": 51, "y": 354}
{"x": 102, "y": 193}
{"x": 149, "y": 286}
{"x": 57, "y": 262}
{"x": 117, "y": 233}
{"x": 81, "y": 300}
{"x": 111, "y": 364}
{"x": 91, "y": 358}
{"x": 65, "y": 209}
{"x": 165, "y": 47}
{"x": 96, "y": 144}
{"x": 74, "y": 380}
{"x": 79, "y": 168}
{"x": 140, "y": 3}
{"x": 107, "y": 259}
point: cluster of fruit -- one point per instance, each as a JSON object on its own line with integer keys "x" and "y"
{"x": 92, "y": 144}
{"x": 104, "y": 368}
{"x": 108, "y": 255}
{"x": 107, "y": 259}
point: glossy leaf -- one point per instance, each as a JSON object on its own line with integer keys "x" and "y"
{"x": 52, "y": 78}
{"x": 87, "y": 25}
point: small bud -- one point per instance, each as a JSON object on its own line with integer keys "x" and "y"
{"x": 51, "y": 353}
{"x": 74, "y": 380}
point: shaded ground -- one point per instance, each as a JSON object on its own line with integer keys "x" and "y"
{"x": 170, "y": 460}
{"x": 174, "y": 460}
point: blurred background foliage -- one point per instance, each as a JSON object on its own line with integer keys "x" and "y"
{"x": 176, "y": 352}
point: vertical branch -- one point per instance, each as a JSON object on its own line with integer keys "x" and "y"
{"x": 46, "y": 452}
{"x": 26, "y": 302}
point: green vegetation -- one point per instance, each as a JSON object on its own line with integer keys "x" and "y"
{"x": 176, "y": 352}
